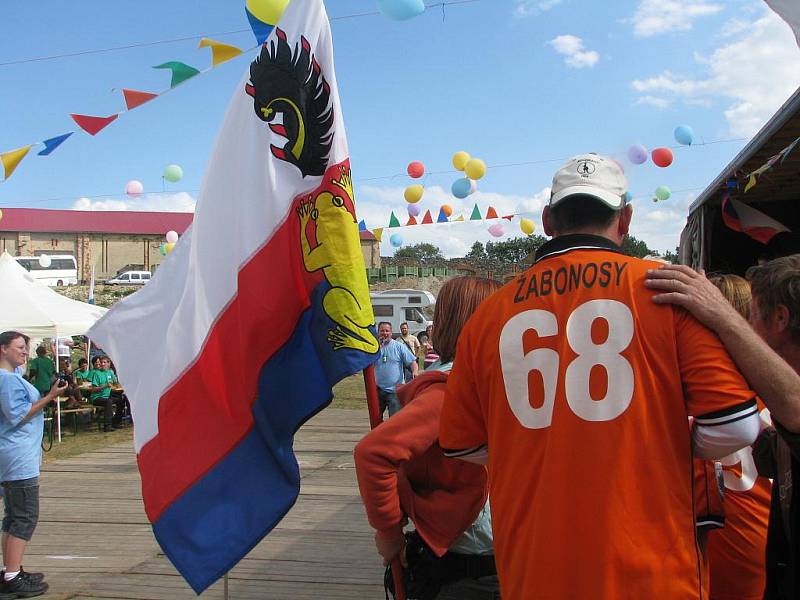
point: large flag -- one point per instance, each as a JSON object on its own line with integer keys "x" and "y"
{"x": 789, "y": 11}
{"x": 746, "y": 219}
{"x": 260, "y": 309}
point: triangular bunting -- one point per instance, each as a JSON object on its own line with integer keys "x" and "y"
{"x": 93, "y": 125}
{"x": 750, "y": 183}
{"x": 53, "y": 143}
{"x": 411, "y": 220}
{"x": 508, "y": 217}
{"x": 362, "y": 226}
{"x": 378, "y": 233}
{"x": 460, "y": 218}
{"x": 11, "y": 159}
{"x": 427, "y": 218}
{"x": 786, "y": 151}
{"x": 442, "y": 218}
{"x": 134, "y": 98}
{"x": 180, "y": 71}
{"x": 220, "y": 52}
{"x": 260, "y": 29}
{"x": 491, "y": 213}
{"x": 476, "y": 214}
{"x": 393, "y": 222}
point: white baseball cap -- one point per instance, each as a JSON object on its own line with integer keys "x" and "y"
{"x": 591, "y": 175}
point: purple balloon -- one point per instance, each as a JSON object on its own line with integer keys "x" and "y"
{"x": 413, "y": 210}
{"x": 637, "y": 154}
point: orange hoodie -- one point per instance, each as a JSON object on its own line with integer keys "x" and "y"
{"x": 402, "y": 472}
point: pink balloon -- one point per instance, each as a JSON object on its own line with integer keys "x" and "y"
{"x": 415, "y": 169}
{"x": 134, "y": 188}
{"x": 414, "y": 210}
{"x": 496, "y": 230}
{"x": 172, "y": 237}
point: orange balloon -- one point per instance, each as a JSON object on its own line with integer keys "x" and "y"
{"x": 448, "y": 210}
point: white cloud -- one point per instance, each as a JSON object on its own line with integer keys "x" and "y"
{"x": 375, "y": 205}
{"x": 529, "y": 8}
{"x": 659, "y": 224}
{"x": 157, "y": 202}
{"x": 654, "y": 101}
{"x": 572, "y": 48}
{"x": 757, "y": 72}
{"x": 655, "y": 17}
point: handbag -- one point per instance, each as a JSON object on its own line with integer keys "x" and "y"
{"x": 422, "y": 578}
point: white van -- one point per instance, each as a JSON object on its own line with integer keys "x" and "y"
{"x": 61, "y": 269}
{"x": 403, "y": 306}
{"x": 130, "y": 278}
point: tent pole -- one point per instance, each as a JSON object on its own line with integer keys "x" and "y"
{"x": 58, "y": 404}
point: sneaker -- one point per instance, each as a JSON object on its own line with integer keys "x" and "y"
{"x": 32, "y": 575}
{"x": 22, "y": 587}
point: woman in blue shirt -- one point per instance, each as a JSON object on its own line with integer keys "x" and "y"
{"x": 21, "y": 427}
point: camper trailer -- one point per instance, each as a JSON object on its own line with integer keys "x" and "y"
{"x": 403, "y": 306}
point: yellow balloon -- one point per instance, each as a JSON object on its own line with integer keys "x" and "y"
{"x": 527, "y": 226}
{"x": 448, "y": 210}
{"x": 475, "y": 168}
{"x": 168, "y": 247}
{"x": 413, "y": 193}
{"x": 268, "y": 11}
{"x": 460, "y": 159}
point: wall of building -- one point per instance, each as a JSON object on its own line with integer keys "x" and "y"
{"x": 111, "y": 252}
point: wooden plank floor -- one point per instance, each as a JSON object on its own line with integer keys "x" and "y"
{"x": 93, "y": 539}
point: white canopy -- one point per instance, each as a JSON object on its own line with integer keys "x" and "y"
{"x": 32, "y": 308}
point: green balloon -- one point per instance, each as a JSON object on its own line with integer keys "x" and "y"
{"x": 173, "y": 173}
{"x": 663, "y": 192}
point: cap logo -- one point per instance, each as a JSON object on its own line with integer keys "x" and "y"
{"x": 585, "y": 168}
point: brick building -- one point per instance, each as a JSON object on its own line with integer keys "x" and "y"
{"x": 109, "y": 240}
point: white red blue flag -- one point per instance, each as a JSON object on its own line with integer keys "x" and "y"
{"x": 746, "y": 219}
{"x": 260, "y": 309}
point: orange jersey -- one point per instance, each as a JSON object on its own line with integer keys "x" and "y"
{"x": 580, "y": 386}
{"x": 737, "y": 552}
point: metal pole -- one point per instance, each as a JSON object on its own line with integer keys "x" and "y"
{"x": 58, "y": 404}
{"x": 375, "y": 419}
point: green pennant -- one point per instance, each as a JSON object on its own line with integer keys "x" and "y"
{"x": 180, "y": 72}
{"x": 476, "y": 214}
{"x": 393, "y": 222}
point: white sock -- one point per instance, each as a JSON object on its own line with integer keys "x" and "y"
{"x": 10, "y": 575}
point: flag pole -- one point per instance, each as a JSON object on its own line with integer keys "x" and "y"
{"x": 225, "y": 587}
{"x": 375, "y": 419}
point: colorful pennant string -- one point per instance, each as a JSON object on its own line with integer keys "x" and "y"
{"x": 476, "y": 214}
{"x": 411, "y": 220}
{"x": 11, "y": 159}
{"x": 378, "y": 233}
{"x": 460, "y": 218}
{"x": 180, "y": 71}
{"x": 491, "y": 213}
{"x": 362, "y": 226}
{"x": 427, "y": 219}
{"x": 393, "y": 222}
{"x": 93, "y": 125}
{"x": 53, "y": 143}
{"x": 134, "y": 98}
{"x": 220, "y": 52}
{"x": 442, "y": 218}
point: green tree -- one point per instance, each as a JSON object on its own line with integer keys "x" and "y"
{"x": 514, "y": 251}
{"x": 422, "y": 253}
{"x": 476, "y": 254}
{"x": 633, "y": 247}
{"x": 671, "y": 256}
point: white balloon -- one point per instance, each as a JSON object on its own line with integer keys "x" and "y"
{"x": 44, "y": 261}
{"x": 172, "y": 236}
{"x": 473, "y": 186}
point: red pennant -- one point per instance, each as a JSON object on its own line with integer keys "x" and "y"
{"x": 93, "y": 125}
{"x": 427, "y": 218}
{"x": 134, "y": 98}
{"x": 509, "y": 217}
{"x": 411, "y": 220}
{"x": 491, "y": 213}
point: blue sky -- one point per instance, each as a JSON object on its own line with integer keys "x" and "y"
{"x": 509, "y": 81}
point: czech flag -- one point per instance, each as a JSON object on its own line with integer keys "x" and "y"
{"x": 746, "y": 219}
{"x": 260, "y": 309}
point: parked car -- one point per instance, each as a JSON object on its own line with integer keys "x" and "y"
{"x": 130, "y": 278}
{"x": 398, "y": 306}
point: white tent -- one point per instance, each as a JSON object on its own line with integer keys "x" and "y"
{"x": 36, "y": 310}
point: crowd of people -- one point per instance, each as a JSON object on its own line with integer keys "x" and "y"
{"x": 634, "y": 426}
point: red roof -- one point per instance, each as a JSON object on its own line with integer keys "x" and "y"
{"x": 38, "y": 220}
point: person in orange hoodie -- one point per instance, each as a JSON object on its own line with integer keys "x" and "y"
{"x": 402, "y": 473}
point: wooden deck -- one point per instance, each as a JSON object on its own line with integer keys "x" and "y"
{"x": 93, "y": 539}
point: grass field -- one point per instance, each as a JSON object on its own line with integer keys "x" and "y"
{"x": 349, "y": 393}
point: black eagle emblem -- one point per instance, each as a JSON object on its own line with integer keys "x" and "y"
{"x": 291, "y": 84}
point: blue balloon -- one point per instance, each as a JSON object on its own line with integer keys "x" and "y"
{"x": 461, "y": 188}
{"x": 396, "y": 240}
{"x": 684, "y": 135}
{"x": 401, "y": 10}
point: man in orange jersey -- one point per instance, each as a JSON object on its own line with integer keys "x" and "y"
{"x": 577, "y": 387}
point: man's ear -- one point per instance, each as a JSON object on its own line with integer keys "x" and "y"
{"x": 780, "y": 318}
{"x": 624, "y": 223}
{"x": 548, "y": 230}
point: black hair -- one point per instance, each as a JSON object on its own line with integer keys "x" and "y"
{"x": 580, "y": 211}
{"x": 384, "y": 323}
{"x": 82, "y": 361}
{"x": 9, "y": 336}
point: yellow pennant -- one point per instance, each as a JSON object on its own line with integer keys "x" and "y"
{"x": 12, "y": 158}
{"x": 220, "y": 52}
{"x": 750, "y": 183}
{"x": 378, "y": 233}
{"x": 460, "y": 218}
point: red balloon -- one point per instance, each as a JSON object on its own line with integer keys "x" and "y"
{"x": 416, "y": 169}
{"x": 662, "y": 157}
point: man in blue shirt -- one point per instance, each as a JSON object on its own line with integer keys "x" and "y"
{"x": 393, "y": 356}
